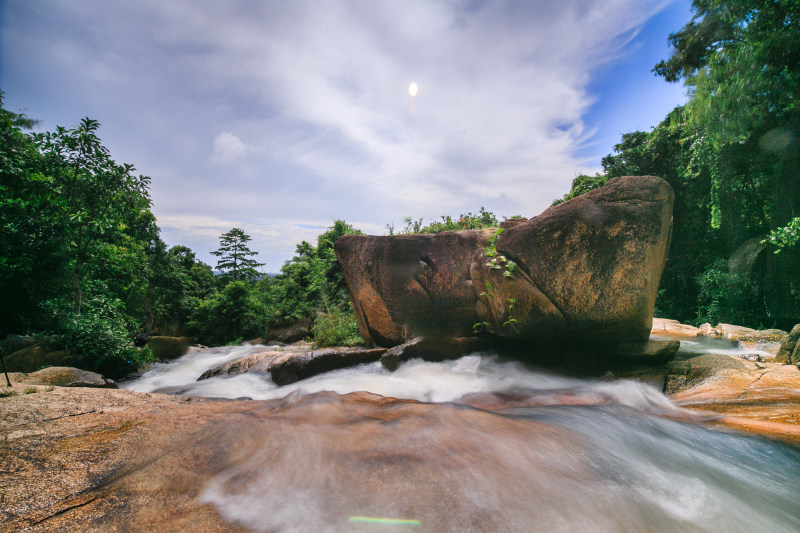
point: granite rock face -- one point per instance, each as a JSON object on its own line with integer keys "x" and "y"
{"x": 789, "y": 352}
{"x": 585, "y": 271}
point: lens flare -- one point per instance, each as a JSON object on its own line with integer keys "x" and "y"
{"x": 413, "y": 90}
{"x": 384, "y": 521}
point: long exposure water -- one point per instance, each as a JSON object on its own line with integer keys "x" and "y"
{"x": 564, "y": 454}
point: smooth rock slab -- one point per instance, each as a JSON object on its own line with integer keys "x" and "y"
{"x": 758, "y": 397}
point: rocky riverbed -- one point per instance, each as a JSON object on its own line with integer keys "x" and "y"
{"x": 497, "y": 447}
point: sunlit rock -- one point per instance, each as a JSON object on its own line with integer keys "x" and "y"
{"x": 585, "y": 271}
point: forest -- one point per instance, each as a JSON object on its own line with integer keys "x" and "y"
{"x": 82, "y": 260}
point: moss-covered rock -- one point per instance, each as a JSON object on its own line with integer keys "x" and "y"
{"x": 41, "y": 354}
{"x": 165, "y": 348}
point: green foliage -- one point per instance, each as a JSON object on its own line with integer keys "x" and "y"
{"x": 100, "y": 333}
{"x": 102, "y": 207}
{"x": 480, "y": 220}
{"x": 233, "y": 252}
{"x": 337, "y": 327}
{"x": 729, "y": 298}
{"x": 786, "y": 236}
{"x": 7, "y": 393}
{"x": 70, "y": 215}
{"x": 31, "y": 262}
{"x": 583, "y": 184}
{"x": 178, "y": 283}
{"x": 30, "y": 390}
{"x": 724, "y": 195}
{"x": 312, "y": 281}
{"x": 229, "y": 314}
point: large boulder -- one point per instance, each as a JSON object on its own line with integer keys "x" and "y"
{"x": 586, "y": 271}
{"x": 39, "y": 354}
{"x": 789, "y": 352}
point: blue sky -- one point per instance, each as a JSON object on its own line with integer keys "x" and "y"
{"x": 280, "y": 117}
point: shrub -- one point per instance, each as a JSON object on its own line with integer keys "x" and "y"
{"x": 480, "y": 220}
{"x": 336, "y": 328}
{"x": 227, "y": 315}
{"x": 101, "y": 334}
{"x": 728, "y": 298}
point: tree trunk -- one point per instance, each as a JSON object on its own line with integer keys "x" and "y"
{"x": 76, "y": 286}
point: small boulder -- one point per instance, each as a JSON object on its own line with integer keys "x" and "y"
{"x": 686, "y": 374}
{"x": 742, "y": 334}
{"x": 15, "y": 343}
{"x": 166, "y": 348}
{"x": 665, "y": 326}
{"x": 64, "y": 376}
{"x": 290, "y": 333}
{"x": 295, "y": 362}
{"x": 254, "y": 362}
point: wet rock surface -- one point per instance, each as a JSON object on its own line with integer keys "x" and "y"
{"x": 295, "y": 362}
{"x": 432, "y": 349}
{"x": 745, "y": 390}
{"x": 115, "y": 460}
{"x": 550, "y": 459}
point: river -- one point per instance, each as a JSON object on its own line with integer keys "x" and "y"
{"x": 480, "y": 444}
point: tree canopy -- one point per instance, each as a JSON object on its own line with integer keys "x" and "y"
{"x": 731, "y": 155}
{"x": 234, "y": 255}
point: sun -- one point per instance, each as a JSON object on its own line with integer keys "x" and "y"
{"x": 413, "y": 90}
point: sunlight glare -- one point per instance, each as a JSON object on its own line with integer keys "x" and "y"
{"x": 413, "y": 90}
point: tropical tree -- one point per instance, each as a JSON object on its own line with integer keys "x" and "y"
{"x": 741, "y": 62}
{"x": 233, "y": 253}
{"x": 99, "y": 203}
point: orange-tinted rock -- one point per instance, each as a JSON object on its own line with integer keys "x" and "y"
{"x": 759, "y": 397}
{"x": 665, "y": 326}
{"x": 125, "y": 461}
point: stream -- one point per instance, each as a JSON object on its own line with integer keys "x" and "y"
{"x": 480, "y": 444}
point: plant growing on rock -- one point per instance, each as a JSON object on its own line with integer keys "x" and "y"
{"x": 498, "y": 261}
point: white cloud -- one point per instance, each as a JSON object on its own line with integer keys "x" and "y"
{"x": 319, "y": 92}
{"x": 228, "y": 146}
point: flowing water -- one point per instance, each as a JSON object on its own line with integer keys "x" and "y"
{"x": 494, "y": 446}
